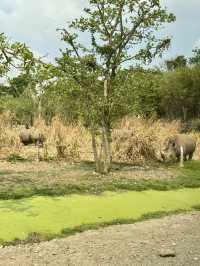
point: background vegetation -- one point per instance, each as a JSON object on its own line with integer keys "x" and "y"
{"x": 91, "y": 90}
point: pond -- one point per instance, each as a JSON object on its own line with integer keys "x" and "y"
{"x": 43, "y": 214}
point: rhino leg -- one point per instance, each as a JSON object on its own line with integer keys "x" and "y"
{"x": 181, "y": 156}
{"x": 190, "y": 156}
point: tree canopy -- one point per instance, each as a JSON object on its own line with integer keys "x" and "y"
{"x": 119, "y": 31}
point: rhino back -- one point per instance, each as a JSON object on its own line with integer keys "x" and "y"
{"x": 187, "y": 142}
{"x": 25, "y": 137}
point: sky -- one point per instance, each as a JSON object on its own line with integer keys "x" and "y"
{"x": 34, "y": 22}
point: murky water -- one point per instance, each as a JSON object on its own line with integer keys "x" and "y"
{"x": 18, "y": 218}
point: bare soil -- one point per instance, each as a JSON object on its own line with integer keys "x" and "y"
{"x": 120, "y": 245}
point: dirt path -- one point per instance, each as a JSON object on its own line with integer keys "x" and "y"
{"x": 121, "y": 245}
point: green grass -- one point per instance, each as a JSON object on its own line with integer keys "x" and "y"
{"x": 14, "y": 157}
{"x": 22, "y": 187}
{"x": 54, "y": 216}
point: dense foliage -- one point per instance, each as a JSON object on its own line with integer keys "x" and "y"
{"x": 171, "y": 94}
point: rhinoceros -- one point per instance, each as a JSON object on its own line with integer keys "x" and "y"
{"x": 30, "y": 136}
{"x": 179, "y": 147}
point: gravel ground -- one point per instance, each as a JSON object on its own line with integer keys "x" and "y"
{"x": 121, "y": 245}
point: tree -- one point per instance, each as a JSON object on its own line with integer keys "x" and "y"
{"x": 32, "y": 76}
{"x": 119, "y": 31}
{"x": 57, "y": 100}
{"x": 14, "y": 55}
{"x": 42, "y": 75}
{"x": 4, "y": 90}
{"x": 22, "y": 107}
{"x": 17, "y": 85}
{"x": 178, "y": 62}
{"x": 144, "y": 91}
{"x": 195, "y": 59}
{"x": 180, "y": 93}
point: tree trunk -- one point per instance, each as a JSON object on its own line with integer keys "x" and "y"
{"x": 184, "y": 113}
{"x": 95, "y": 152}
{"x": 39, "y": 108}
{"x": 106, "y": 141}
{"x": 106, "y": 136}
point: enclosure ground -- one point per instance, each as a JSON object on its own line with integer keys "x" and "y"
{"x": 29, "y": 178}
{"x": 121, "y": 245}
{"x": 54, "y": 172}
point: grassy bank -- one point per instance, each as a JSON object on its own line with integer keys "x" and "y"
{"x": 80, "y": 179}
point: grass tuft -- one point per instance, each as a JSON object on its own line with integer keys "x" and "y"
{"x": 14, "y": 157}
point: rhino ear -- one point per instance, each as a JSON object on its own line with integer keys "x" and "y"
{"x": 173, "y": 144}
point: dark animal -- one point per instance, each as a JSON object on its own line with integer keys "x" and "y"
{"x": 32, "y": 137}
{"x": 179, "y": 147}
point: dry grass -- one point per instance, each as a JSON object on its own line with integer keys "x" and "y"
{"x": 74, "y": 140}
{"x": 134, "y": 140}
{"x": 139, "y": 139}
{"x": 9, "y": 139}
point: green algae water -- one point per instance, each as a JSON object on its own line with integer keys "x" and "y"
{"x": 50, "y": 215}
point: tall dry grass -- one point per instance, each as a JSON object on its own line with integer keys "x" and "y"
{"x": 134, "y": 139}
{"x": 8, "y": 133}
{"x": 138, "y": 139}
{"x": 74, "y": 140}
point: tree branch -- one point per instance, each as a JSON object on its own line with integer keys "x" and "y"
{"x": 118, "y": 18}
{"x": 71, "y": 42}
{"x": 102, "y": 17}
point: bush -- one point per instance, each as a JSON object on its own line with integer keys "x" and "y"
{"x": 180, "y": 92}
{"x": 195, "y": 125}
{"x": 192, "y": 125}
{"x": 23, "y": 108}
